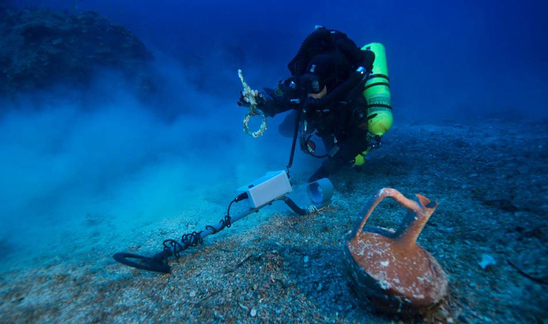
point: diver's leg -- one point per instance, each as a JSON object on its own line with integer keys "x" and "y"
{"x": 328, "y": 142}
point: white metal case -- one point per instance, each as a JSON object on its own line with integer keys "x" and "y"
{"x": 272, "y": 185}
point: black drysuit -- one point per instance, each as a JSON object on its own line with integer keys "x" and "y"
{"x": 329, "y": 60}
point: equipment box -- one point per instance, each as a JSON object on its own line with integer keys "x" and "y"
{"x": 271, "y": 186}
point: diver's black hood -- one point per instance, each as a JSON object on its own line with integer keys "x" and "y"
{"x": 328, "y": 69}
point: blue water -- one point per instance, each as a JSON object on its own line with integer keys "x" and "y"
{"x": 63, "y": 163}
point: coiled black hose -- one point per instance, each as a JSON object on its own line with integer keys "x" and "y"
{"x": 298, "y": 64}
{"x": 351, "y": 50}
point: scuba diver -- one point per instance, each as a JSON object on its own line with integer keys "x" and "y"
{"x": 326, "y": 93}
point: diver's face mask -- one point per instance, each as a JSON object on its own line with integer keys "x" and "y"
{"x": 312, "y": 84}
{"x": 315, "y": 86}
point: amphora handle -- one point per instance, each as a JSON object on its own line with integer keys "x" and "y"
{"x": 411, "y": 227}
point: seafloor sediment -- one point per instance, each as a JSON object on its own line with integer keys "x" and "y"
{"x": 491, "y": 183}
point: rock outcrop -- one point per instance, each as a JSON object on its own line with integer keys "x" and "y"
{"x": 42, "y": 47}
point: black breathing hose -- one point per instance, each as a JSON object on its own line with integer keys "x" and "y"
{"x": 298, "y": 64}
{"x": 350, "y": 50}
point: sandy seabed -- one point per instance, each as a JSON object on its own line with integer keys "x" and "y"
{"x": 491, "y": 182}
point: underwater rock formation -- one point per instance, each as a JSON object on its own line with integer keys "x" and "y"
{"x": 388, "y": 268}
{"x": 42, "y": 47}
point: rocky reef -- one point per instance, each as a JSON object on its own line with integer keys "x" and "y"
{"x": 42, "y": 47}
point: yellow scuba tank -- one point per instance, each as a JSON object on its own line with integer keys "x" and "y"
{"x": 377, "y": 94}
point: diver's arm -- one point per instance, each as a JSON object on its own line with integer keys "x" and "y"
{"x": 282, "y": 98}
{"x": 278, "y": 100}
{"x": 273, "y": 106}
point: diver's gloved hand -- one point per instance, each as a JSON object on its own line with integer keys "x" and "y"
{"x": 244, "y": 100}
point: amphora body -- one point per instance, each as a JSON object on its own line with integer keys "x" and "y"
{"x": 389, "y": 269}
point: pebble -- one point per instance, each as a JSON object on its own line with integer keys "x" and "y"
{"x": 446, "y": 229}
{"x": 306, "y": 259}
{"x": 192, "y": 294}
{"x": 486, "y": 261}
{"x": 320, "y": 287}
{"x": 253, "y": 312}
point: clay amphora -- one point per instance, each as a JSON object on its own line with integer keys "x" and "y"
{"x": 387, "y": 268}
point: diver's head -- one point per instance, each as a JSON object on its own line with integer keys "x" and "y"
{"x": 320, "y": 76}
